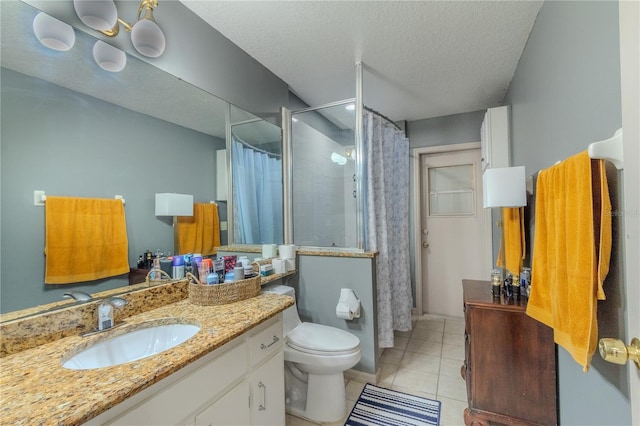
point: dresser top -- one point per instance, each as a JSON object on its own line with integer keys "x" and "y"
{"x": 478, "y": 293}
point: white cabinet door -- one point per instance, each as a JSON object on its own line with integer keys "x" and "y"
{"x": 230, "y": 410}
{"x": 267, "y": 393}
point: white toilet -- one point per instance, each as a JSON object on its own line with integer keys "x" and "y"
{"x": 315, "y": 358}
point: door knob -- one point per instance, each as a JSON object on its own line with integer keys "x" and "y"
{"x": 425, "y": 245}
{"x": 615, "y": 351}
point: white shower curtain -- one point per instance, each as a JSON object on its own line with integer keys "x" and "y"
{"x": 386, "y": 173}
{"x": 257, "y": 199}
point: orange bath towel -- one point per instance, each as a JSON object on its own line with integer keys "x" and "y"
{"x": 514, "y": 239}
{"x": 85, "y": 239}
{"x": 199, "y": 233}
{"x": 572, "y": 248}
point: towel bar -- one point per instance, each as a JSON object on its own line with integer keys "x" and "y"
{"x": 609, "y": 149}
{"x": 39, "y": 198}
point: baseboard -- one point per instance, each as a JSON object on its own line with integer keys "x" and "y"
{"x": 360, "y": 376}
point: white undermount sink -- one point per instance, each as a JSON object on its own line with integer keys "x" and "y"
{"x": 133, "y": 345}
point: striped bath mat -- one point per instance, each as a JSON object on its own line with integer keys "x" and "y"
{"x": 385, "y": 407}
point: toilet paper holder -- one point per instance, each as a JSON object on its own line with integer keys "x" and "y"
{"x": 348, "y": 306}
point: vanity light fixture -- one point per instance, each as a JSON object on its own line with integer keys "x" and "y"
{"x": 53, "y": 33}
{"x": 102, "y": 15}
{"x": 109, "y": 58}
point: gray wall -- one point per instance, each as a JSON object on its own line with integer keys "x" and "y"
{"x": 565, "y": 94}
{"x": 447, "y": 130}
{"x": 81, "y": 146}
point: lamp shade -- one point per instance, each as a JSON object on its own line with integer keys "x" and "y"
{"x": 53, "y": 33}
{"x": 100, "y": 15}
{"x": 169, "y": 204}
{"x": 504, "y": 187}
{"x": 109, "y": 58}
{"x": 148, "y": 38}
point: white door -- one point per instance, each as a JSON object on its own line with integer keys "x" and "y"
{"x": 453, "y": 228}
{"x": 629, "y": 12}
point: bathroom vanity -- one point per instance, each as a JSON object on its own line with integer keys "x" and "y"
{"x": 230, "y": 371}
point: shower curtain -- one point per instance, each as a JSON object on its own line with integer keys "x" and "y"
{"x": 257, "y": 195}
{"x": 386, "y": 176}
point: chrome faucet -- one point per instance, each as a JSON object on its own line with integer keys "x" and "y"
{"x": 78, "y": 295}
{"x": 105, "y": 309}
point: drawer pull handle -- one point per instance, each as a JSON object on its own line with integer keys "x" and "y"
{"x": 263, "y": 406}
{"x": 275, "y": 340}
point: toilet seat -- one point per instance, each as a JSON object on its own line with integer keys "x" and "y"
{"x": 322, "y": 340}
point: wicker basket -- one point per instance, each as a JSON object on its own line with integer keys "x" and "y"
{"x": 221, "y": 294}
{"x": 154, "y": 281}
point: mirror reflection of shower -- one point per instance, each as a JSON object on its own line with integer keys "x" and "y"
{"x": 323, "y": 176}
{"x": 256, "y": 163}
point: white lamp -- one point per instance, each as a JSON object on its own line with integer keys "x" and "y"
{"x": 53, "y": 33}
{"x": 170, "y": 204}
{"x": 109, "y": 58}
{"x": 504, "y": 187}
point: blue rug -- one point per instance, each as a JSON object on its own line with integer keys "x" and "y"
{"x": 385, "y": 407}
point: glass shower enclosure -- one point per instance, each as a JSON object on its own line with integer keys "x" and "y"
{"x": 322, "y": 167}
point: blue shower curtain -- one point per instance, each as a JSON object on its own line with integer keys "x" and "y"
{"x": 257, "y": 195}
{"x": 386, "y": 179}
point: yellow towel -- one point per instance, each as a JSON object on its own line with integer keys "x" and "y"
{"x": 199, "y": 233}
{"x": 85, "y": 239}
{"x": 513, "y": 234}
{"x": 572, "y": 248}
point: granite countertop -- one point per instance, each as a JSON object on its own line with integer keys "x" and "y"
{"x": 36, "y": 390}
{"x": 328, "y": 251}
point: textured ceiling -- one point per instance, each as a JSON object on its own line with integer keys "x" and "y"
{"x": 421, "y": 59}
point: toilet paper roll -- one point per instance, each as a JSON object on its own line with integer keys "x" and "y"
{"x": 278, "y": 266}
{"x": 269, "y": 251}
{"x": 343, "y": 311}
{"x": 287, "y": 251}
{"x": 290, "y": 264}
{"x": 348, "y": 306}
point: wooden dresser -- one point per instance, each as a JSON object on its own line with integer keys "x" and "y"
{"x": 510, "y": 361}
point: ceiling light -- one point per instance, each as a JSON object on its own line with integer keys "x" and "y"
{"x": 146, "y": 36}
{"x": 350, "y": 107}
{"x": 109, "y": 58}
{"x": 337, "y": 158}
{"x": 53, "y": 33}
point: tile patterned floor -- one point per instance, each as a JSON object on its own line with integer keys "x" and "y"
{"x": 425, "y": 361}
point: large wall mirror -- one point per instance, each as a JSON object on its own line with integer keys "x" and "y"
{"x": 70, "y": 128}
{"x": 256, "y": 167}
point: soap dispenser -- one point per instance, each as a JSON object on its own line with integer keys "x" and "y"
{"x": 105, "y": 316}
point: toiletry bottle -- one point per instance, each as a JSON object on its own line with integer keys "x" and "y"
{"x": 178, "y": 267}
{"x": 212, "y": 278}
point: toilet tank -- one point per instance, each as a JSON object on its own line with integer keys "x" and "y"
{"x": 290, "y": 315}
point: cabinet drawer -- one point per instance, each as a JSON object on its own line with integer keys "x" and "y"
{"x": 265, "y": 343}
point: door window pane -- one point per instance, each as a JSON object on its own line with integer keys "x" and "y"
{"x": 452, "y": 190}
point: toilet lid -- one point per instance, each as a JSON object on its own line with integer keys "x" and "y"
{"x": 317, "y": 338}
